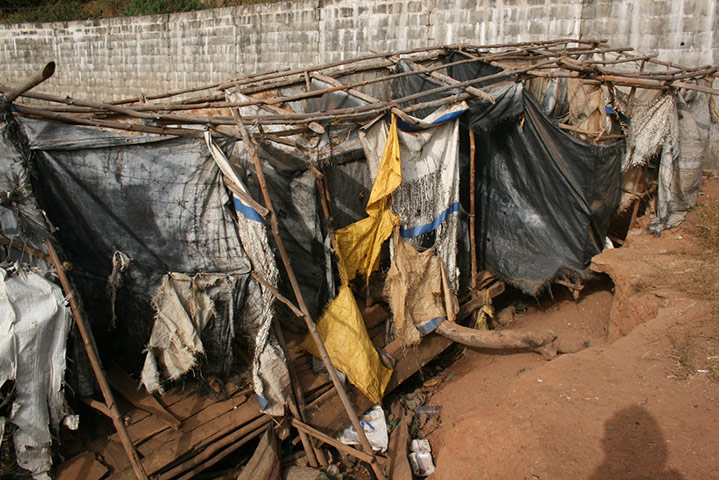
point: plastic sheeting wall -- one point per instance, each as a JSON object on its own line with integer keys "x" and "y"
{"x": 159, "y": 201}
{"x": 544, "y": 198}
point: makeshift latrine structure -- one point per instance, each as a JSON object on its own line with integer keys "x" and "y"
{"x": 203, "y": 230}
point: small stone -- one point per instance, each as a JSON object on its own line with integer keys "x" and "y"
{"x": 295, "y": 472}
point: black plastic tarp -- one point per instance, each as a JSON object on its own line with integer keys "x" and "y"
{"x": 161, "y": 201}
{"x": 544, "y": 197}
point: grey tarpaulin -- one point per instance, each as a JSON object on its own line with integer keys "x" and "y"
{"x": 20, "y": 217}
{"x": 159, "y": 200}
{"x": 34, "y": 323}
{"x": 269, "y": 365}
{"x": 293, "y": 190}
{"x": 674, "y": 129}
{"x": 544, "y": 198}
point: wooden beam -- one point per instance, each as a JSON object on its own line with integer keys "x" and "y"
{"x": 541, "y": 342}
{"x": 32, "y": 82}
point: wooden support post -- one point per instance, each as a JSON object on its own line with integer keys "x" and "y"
{"x": 31, "y": 82}
{"x": 326, "y": 204}
{"x": 249, "y": 145}
{"x": 638, "y": 201}
{"x": 92, "y": 354}
{"x": 632, "y": 92}
{"x": 472, "y": 212}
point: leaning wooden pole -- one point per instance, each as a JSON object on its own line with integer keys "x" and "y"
{"x": 349, "y": 408}
{"x": 32, "y": 82}
{"x": 472, "y": 212}
{"x": 92, "y": 354}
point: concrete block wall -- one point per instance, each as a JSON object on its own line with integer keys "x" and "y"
{"x": 353, "y": 28}
{"x": 680, "y": 31}
{"x": 121, "y": 57}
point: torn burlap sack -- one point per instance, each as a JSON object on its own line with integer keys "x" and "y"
{"x": 419, "y": 290}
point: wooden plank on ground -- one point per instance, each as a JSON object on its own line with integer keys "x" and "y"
{"x": 111, "y": 453}
{"x": 310, "y": 381}
{"x": 398, "y": 467}
{"x": 327, "y": 414}
{"x": 200, "y": 419}
{"x": 123, "y": 383}
{"x": 185, "y": 409}
{"x": 85, "y": 466}
{"x": 265, "y": 462}
{"x": 161, "y": 452}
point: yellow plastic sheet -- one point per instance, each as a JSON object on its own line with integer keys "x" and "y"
{"x": 359, "y": 244}
{"x": 343, "y": 330}
{"x": 341, "y": 326}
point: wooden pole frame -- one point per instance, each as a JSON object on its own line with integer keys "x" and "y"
{"x": 472, "y": 212}
{"x": 349, "y": 408}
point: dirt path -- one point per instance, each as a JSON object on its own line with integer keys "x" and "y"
{"x": 642, "y": 402}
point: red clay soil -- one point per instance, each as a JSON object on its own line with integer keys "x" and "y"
{"x": 641, "y": 402}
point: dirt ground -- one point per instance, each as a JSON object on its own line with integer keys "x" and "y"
{"x": 641, "y": 402}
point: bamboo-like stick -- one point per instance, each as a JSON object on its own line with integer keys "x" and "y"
{"x": 300, "y": 71}
{"x": 472, "y": 212}
{"x": 164, "y": 95}
{"x": 94, "y": 358}
{"x": 32, "y": 82}
{"x": 623, "y": 60}
{"x": 299, "y": 297}
{"x": 21, "y": 247}
{"x": 93, "y": 122}
{"x": 646, "y": 83}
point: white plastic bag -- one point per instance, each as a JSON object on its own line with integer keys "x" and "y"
{"x": 374, "y": 424}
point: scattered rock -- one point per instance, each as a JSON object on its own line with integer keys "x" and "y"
{"x": 300, "y": 473}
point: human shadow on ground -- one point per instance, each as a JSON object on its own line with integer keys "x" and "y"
{"x": 634, "y": 448}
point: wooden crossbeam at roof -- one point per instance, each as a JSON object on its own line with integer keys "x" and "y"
{"x": 591, "y": 61}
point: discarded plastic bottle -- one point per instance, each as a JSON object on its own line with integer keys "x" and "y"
{"x": 429, "y": 410}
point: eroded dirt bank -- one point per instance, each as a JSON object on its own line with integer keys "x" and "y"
{"x": 641, "y": 402}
